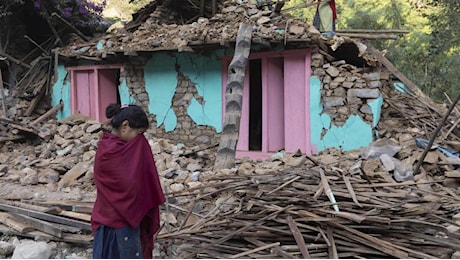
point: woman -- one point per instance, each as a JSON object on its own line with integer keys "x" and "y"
{"x": 125, "y": 216}
{"x": 325, "y": 17}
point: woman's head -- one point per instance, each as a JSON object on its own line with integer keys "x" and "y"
{"x": 127, "y": 120}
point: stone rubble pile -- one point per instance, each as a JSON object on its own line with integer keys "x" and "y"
{"x": 164, "y": 30}
{"x": 57, "y": 165}
{"x": 347, "y": 89}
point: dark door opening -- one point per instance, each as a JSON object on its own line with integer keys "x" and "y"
{"x": 255, "y": 105}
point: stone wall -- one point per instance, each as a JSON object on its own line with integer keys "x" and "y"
{"x": 346, "y": 89}
{"x": 186, "y": 131}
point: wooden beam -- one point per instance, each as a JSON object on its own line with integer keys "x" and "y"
{"x": 41, "y": 225}
{"x": 2, "y": 96}
{"x": 277, "y": 249}
{"x": 372, "y": 31}
{"x": 12, "y": 222}
{"x": 414, "y": 88}
{"x": 50, "y": 112}
{"x": 68, "y": 238}
{"x": 36, "y": 44}
{"x": 50, "y": 210}
{"x": 46, "y": 216}
{"x": 368, "y": 36}
{"x": 435, "y": 133}
{"x": 68, "y": 205}
{"x": 13, "y": 59}
{"x": 298, "y": 237}
{"x": 78, "y": 32}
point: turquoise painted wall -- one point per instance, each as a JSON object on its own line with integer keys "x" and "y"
{"x": 161, "y": 81}
{"x": 125, "y": 97}
{"x": 355, "y": 133}
{"x": 61, "y": 91}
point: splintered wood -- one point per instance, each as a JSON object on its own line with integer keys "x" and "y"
{"x": 272, "y": 216}
{"x": 47, "y": 219}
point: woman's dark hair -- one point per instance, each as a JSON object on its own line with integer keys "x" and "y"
{"x": 134, "y": 114}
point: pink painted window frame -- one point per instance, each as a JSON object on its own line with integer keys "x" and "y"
{"x": 95, "y": 91}
{"x": 296, "y": 105}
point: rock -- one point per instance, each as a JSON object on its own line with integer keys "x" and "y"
{"x": 387, "y": 162}
{"x": 49, "y": 176}
{"x": 364, "y": 93}
{"x": 176, "y": 187}
{"x": 32, "y": 250}
{"x": 194, "y": 167}
{"x": 263, "y": 20}
{"x": 168, "y": 217}
{"x": 194, "y": 184}
{"x": 6, "y": 248}
{"x": 94, "y": 128}
{"x": 333, "y": 72}
{"x": 456, "y": 255}
{"x": 246, "y": 169}
{"x": 296, "y": 29}
{"x": 196, "y": 176}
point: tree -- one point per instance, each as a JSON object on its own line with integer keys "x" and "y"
{"x": 85, "y": 15}
{"x": 428, "y": 55}
{"x": 234, "y": 99}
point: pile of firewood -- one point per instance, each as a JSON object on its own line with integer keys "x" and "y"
{"x": 315, "y": 212}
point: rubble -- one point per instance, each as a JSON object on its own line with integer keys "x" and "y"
{"x": 53, "y": 174}
{"x": 288, "y": 206}
{"x": 166, "y": 30}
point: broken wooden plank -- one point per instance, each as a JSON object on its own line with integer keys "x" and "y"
{"x": 346, "y": 179}
{"x": 46, "y": 216}
{"x": 13, "y": 59}
{"x": 68, "y": 205}
{"x": 78, "y": 32}
{"x": 279, "y": 251}
{"x": 333, "y": 248}
{"x": 368, "y": 36}
{"x": 70, "y": 176}
{"x": 51, "y": 210}
{"x": 12, "y": 138}
{"x": 298, "y": 237}
{"x": 68, "y": 238}
{"x": 255, "y": 250}
{"x": 41, "y": 225}
{"x": 244, "y": 228}
{"x": 416, "y": 90}
{"x": 14, "y": 223}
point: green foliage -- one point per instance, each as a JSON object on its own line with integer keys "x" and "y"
{"x": 428, "y": 55}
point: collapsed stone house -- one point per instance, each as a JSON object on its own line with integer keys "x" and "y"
{"x": 311, "y": 93}
{"x": 302, "y": 92}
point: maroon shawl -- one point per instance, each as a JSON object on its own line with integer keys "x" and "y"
{"x": 128, "y": 187}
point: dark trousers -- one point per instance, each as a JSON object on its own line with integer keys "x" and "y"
{"x": 112, "y": 243}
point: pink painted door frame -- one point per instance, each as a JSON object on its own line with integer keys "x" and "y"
{"x": 92, "y": 89}
{"x": 285, "y": 103}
